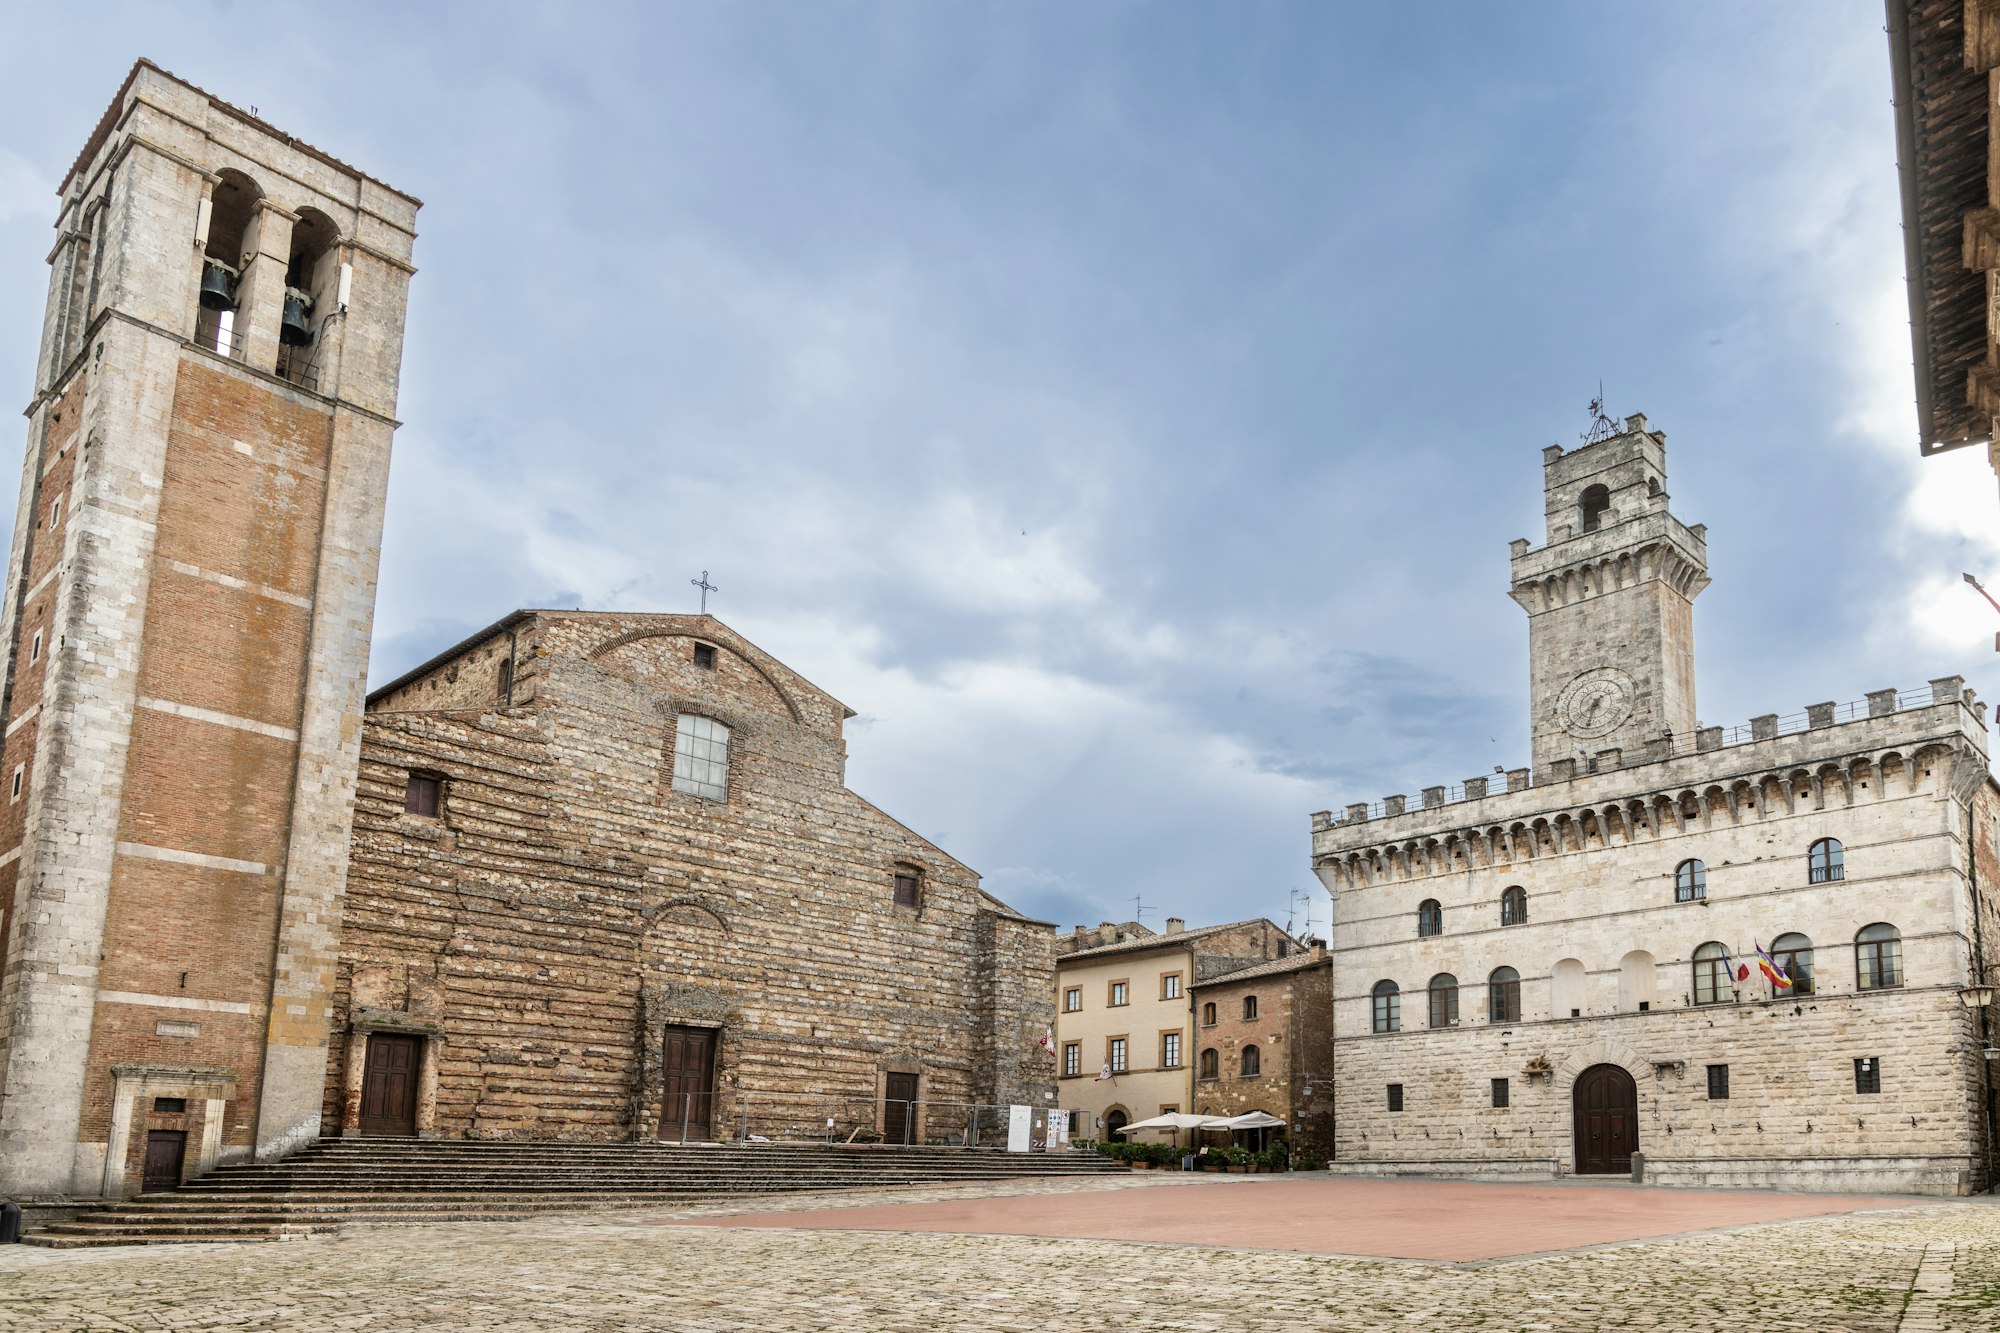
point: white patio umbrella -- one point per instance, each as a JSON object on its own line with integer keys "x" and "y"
{"x": 1179, "y": 1120}
{"x": 1251, "y": 1120}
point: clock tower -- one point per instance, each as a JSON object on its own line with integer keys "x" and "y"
{"x": 1610, "y": 602}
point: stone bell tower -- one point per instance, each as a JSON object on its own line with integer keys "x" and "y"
{"x": 185, "y": 640}
{"x": 1610, "y": 602}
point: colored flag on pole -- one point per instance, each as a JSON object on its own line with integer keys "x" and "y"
{"x": 1769, "y": 966}
{"x": 1105, "y": 1072}
{"x": 1048, "y": 1042}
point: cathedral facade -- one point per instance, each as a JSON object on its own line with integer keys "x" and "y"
{"x": 1699, "y": 955}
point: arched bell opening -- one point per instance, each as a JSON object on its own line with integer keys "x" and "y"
{"x": 312, "y": 277}
{"x": 228, "y": 212}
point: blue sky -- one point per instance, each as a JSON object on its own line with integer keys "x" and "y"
{"x": 1126, "y": 408}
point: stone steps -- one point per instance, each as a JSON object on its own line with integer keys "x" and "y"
{"x": 415, "y": 1181}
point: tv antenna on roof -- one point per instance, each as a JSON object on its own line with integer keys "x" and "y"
{"x": 1602, "y": 426}
{"x": 1139, "y": 908}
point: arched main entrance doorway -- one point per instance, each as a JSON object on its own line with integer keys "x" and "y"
{"x": 1115, "y": 1121}
{"x": 1606, "y": 1103}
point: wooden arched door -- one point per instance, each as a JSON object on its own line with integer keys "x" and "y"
{"x": 1606, "y": 1103}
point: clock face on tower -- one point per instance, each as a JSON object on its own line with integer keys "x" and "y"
{"x": 1595, "y": 703}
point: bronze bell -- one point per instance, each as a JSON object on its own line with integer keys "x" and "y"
{"x": 215, "y": 293}
{"x": 293, "y": 331}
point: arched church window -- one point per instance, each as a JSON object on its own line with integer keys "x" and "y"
{"x": 1690, "y": 881}
{"x": 1430, "y": 918}
{"x": 223, "y": 228}
{"x": 310, "y": 277}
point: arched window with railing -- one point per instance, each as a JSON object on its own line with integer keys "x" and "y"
{"x": 1514, "y": 906}
{"x": 1430, "y": 918}
{"x": 1503, "y": 996}
{"x": 1825, "y": 862}
{"x": 1388, "y": 1001}
{"x": 1878, "y": 957}
{"x": 1690, "y": 881}
{"x": 1443, "y": 992}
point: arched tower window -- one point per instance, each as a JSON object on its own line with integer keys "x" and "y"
{"x": 1388, "y": 1007}
{"x": 1249, "y": 1006}
{"x": 1444, "y": 1000}
{"x": 1792, "y": 953}
{"x": 1211, "y": 1063}
{"x": 1430, "y": 918}
{"x": 1690, "y": 881}
{"x": 1503, "y": 996}
{"x": 1208, "y": 1014}
{"x": 1253, "y": 1062}
{"x": 1878, "y": 957}
{"x": 1514, "y": 906}
{"x": 1825, "y": 862}
{"x": 311, "y": 275}
{"x": 1712, "y": 978}
{"x": 228, "y": 211}
{"x": 1596, "y": 499}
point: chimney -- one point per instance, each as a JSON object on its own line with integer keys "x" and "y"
{"x": 1318, "y": 947}
{"x": 1175, "y": 925}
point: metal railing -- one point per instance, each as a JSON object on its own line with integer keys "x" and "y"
{"x": 753, "y": 1115}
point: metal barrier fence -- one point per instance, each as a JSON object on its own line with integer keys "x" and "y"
{"x": 770, "y": 1115}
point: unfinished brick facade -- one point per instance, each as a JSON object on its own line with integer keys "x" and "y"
{"x": 568, "y": 914}
{"x": 186, "y": 628}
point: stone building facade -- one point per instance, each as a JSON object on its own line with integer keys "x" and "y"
{"x": 1125, "y": 1013}
{"x": 608, "y": 882}
{"x": 186, "y": 628}
{"x": 1264, "y": 1042}
{"x": 1557, "y": 972}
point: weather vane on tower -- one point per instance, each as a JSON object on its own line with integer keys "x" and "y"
{"x": 1602, "y": 426}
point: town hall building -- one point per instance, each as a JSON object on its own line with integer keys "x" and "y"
{"x": 1755, "y": 956}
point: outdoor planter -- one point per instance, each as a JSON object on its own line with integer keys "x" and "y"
{"x": 1238, "y": 1170}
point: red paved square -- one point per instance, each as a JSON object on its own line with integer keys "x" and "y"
{"x": 1450, "y": 1220}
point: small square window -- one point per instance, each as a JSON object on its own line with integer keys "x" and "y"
{"x": 420, "y": 797}
{"x": 1868, "y": 1074}
{"x": 1645, "y": 1006}
{"x": 1395, "y": 1096}
{"x": 1500, "y": 1092}
{"x": 906, "y": 889}
{"x": 1073, "y": 1000}
{"x": 704, "y": 656}
{"x": 1718, "y": 1083}
{"x": 170, "y": 1105}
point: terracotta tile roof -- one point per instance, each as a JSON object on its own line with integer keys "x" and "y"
{"x": 1295, "y": 963}
{"x": 1178, "y": 937}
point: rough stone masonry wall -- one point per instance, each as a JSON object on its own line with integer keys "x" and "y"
{"x": 568, "y": 904}
{"x": 1293, "y": 1034}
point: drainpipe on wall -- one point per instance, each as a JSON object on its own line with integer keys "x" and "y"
{"x": 1979, "y": 978}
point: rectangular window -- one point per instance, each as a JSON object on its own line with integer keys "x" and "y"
{"x": 170, "y": 1106}
{"x": 1645, "y": 1006}
{"x": 701, "y": 757}
{"x": 55, "y": 513}
{"x": 1115, "y": 1053}
{"x": 1170, "y": 986}
{"x": 35, "y": 647}
{"x": 1395, "y": 1096}
{"x": 1500, "y": 1092}
{"x": 1170, "y": 1108}
{"x": 1718, "y": 1083}
{"x": 1120, "y": 994}
{"x": 704, "y": 656}
{"x": 1073, "y": 1000}
{"x": 420, "y": 797}
{"x": 15, "y": 795}
{"x": 1868, "y": 1074}
{"x": 1170, "y": 1050}
{"x": 906, "y": 890}
{"x": 1072, "y": 1058}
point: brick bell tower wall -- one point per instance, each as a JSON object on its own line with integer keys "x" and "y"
{"x": 186, "y": 631}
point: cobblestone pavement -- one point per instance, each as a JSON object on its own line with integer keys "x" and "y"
{"x": 1933, "y": 1267}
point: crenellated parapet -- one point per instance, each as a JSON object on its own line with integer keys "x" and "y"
{"x": 1890, "y": 744}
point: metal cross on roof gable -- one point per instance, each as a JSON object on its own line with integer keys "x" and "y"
{"x": 706, "y": 588}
